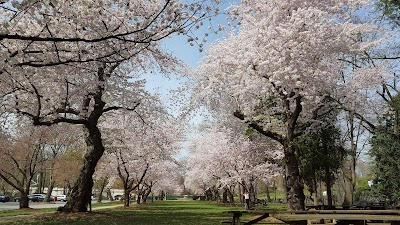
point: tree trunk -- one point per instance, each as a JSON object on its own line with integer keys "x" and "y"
{"x": 24, "y": 201}
{"x": 225, "y": 195}
{"x": 109, "y": 195}
{"x": 252, "y": 194}
{"x": 349, "y": 173}
{"x": 231, "y": 196}
{"x": 268, "y": 194}
{"x": 328, "y": 184}
{"x": 347, "y": 187}
{"x": 102, "y": 186}
{"x": 396, "y": 122}
{"x": 161, "y": 196}
{"x": 40, "y": 182}
{"x": 145, "y": 195}
{"x": 49, "y": 190}
{"x": 127, "y": 196}
{"x": 81, "y": 193}
{"x": 315, "y": 193}
{"x": 294, "y": 184}
{"x": 241, "y": 192}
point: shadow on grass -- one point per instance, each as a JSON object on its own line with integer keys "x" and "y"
{"x": 156, "y": 213}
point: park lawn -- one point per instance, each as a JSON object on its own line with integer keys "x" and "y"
{"x": 19, "y": 212}
{"x": 156, "y": 213}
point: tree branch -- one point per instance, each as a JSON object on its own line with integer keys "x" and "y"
{"x": 277, "y": 137}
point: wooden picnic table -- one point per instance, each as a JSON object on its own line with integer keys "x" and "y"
{"x": 340, "y": 217}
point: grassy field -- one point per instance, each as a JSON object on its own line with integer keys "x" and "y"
{"x": 157, "y": 213}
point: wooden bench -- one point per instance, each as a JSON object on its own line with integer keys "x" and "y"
{"x": 236, "y": 214}
{"x": 339, "y": 217}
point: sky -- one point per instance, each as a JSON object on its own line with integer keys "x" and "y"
{"x": 179, "y": 46}
{"x": 191, "y": 56}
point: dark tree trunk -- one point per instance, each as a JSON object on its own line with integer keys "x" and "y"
{"x": 294, "y": 184}
{"x": 231, "y": 197}
{"x": 225, "y": 195}
{"x": 24, "y": 201}
{"x": 127, "y": 196}
{"x": 147, "y": 192}
{"x": 252, "y": 194}
{"x": 109, "y": 195}
{"x": 145, "y": 197}
{"x": 328, "y": 184}
{"x": 315, "y": 193}
{"x": 81, "y": 193}
{"x": 40, "y": 182}
{"x": 208, "y": 194}
{"x": 49, "y": 190}
{"x": 268, "y": 194}
{"x": 102, "y": 186}
{"x": 241, "y": 192}
{"x": 161, "y": 196}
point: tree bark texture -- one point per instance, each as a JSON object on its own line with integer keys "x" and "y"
{"x": 225, "y": 195}
{"x": 294, "y": 184}
{"x": 24, "y": 201}
{"x": 109, "y": 195}
{"x": 103, "y": 183}
{"x": 347, "y": 187}
{"x": 81, "y": 193}
{"x": 231, "y": 196}
{"x": 127, "y": 200}
{"x": 50, "y": 189}
{"x": 328, "y": 184}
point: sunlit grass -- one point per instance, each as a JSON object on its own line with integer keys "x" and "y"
{"x": 6, "y": 213}
{"x": 156, "y": 213}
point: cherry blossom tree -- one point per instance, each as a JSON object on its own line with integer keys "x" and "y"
{"x": 138, "y": 144}
{"x": 166, "y": 178}
{"x": 73, "y": 61}
{"x": 282, "y": 69}
{"x": 223, "y": 159}
{"x": 57, "y": 32}
{"x": 105, "y": 177}
{"x": 161, "y": 176}
{"x": 57, "y": 139}
{"x": 20, "y": 157}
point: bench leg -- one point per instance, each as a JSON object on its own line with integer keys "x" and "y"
{"x": 236, "y": 220}
{"x": 301, "y": 222}
{"x": 348, "y": 222}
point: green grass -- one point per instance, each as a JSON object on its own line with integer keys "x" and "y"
{"x": 156, "y": 213}
{"x": 96, "y": 204}
{"x": 7, "y": 213}
{"x": 19, "y": 212}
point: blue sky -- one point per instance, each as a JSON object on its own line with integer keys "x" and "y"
{"x": 190, "y": 55}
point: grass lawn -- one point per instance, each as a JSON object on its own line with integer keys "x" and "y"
{"x": 156, "y": 213}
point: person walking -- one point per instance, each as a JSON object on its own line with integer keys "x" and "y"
{"x": 247, "y": 200}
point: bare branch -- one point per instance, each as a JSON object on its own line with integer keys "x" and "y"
{"x": 277, "y": 137}
{"x": 111, "y": 108}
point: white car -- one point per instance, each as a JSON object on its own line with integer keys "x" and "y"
{"x": 62, "y": 198}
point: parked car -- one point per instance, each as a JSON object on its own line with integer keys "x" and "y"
{"x": 118, "y": 198}
{"x": 31, "y": 198}
{"x": 39, "y": 197}
{"x": 61, "y": 198}
{"x": 4, "y": 198}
